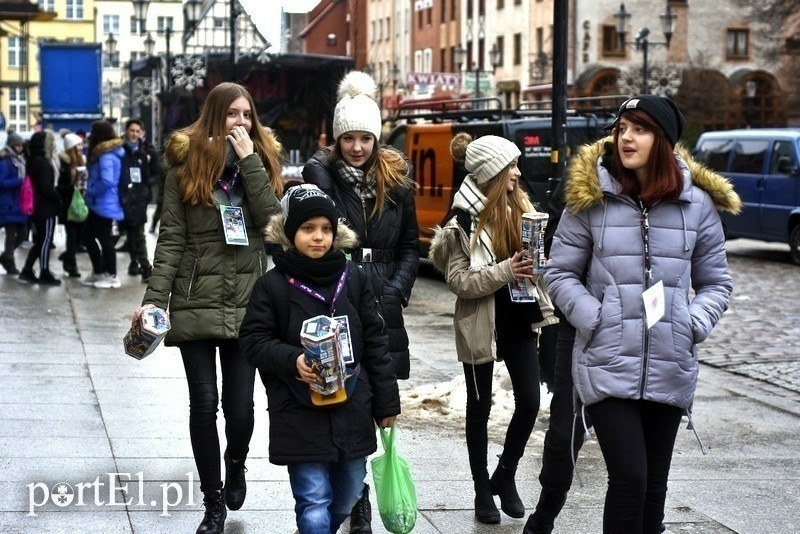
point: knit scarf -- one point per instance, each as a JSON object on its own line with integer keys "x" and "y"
{"x": 470, "y": 199}
{"x": 360, "y": 182}
{"x": 319, "y": 273}
{"x": 19, "y": 163}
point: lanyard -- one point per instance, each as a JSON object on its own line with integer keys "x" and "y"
{"x": 339, "y": 285}
{"x": 227, "y": 185}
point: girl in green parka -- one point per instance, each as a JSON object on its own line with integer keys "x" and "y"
{"x": 222, "y": 185}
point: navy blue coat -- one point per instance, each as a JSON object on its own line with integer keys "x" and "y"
{"x": 10, "y": 182}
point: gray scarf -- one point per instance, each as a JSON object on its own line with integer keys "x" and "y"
{"x": 360, "y": 182}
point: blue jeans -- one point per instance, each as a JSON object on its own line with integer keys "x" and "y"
{"x": 324, "y": 493}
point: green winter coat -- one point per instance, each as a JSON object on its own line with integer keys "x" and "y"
{"x": 204, "y": 282}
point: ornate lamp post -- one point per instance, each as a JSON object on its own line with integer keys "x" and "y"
{"x": 140, "y": 8}
{"x": 641, "y": 39}
{"x": 461, "y": 57}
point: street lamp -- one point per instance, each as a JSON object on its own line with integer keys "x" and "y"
{"x": 140, "y": 8}
{"x": 111, "y": 52}
{"x": 461, "y": 57}
{"x": 641, "y": 39}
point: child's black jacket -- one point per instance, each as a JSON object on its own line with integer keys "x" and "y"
{"x": 298, "y": 433}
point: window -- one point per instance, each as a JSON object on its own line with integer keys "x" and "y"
{"x": 501, "y": 43}
{"x": 47, "y": 5}
{"x": 219, "y": 23}
{"x": 453, "y": 11}
{"x": 162, "y": 23}
{"x": 388, "y": 29}
{"x": 517, "y": 49}
{"x": 612, "y": 42}
{"x": 74, "y": 9}
{"x": 17, "y": 109}
{"x": 111, "y": 24}
{"x": 137, "y": 55}
{"x": 738, "y": 43}
{"x": 783, "y": 158}
{"x": 372, "y": 31}
{"x": 17, "y": 52}
{"x": 136, "y": 26}
{"x": 501, "y": 4}
{"x": 749, "y": 156}
{"x": 715, "y": 154}
{"x": 380, "y": 30}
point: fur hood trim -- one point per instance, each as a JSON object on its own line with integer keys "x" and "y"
{"x": 583, "y": 187}
{"x": 176, "y": 150}
{"x": 443, "y": 242}
{"x": 105, "y": 146}
{"x": 346, "y": 238}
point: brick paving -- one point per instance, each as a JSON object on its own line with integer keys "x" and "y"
{"x": 759, "y": 335}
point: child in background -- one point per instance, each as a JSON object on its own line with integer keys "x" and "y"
{"x": 325, "y": 450}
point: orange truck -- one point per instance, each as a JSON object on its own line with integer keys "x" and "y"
{"x": 425, "y": 139}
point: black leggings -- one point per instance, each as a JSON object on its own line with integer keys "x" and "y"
{"x": 516, "y": 344}
{"x": 636, "y": 438}
{"x": 238, "y": 378}
{"x": 103, "y": 257}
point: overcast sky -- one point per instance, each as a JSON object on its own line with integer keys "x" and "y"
{"x": 266, "y": 15}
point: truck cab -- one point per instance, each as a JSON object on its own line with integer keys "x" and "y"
{"x": 424, "y": 136}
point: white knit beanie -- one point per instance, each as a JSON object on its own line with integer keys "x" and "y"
{"x": 356, "y": 109}
{"x": 487, "y": 156}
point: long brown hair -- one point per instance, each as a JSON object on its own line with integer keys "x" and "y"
{"x": 75, "y": 160}
{"x": 503, "y": 215}
{"x": 387, "y": 167}
{"x": 665, "y": 180}
{"x": 101, "y": 131}
{"x": 205, "y": 160}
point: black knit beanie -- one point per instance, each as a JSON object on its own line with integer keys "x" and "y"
{"x": 302, "y": 202}
{"x": 662, "y": 110}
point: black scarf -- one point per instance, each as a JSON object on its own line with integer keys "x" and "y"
{"x": 321, "y": 272}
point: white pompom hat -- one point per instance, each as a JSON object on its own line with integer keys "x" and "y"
{"x": 356, "y": 109}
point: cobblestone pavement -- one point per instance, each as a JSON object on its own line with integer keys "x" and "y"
{"x": 759, "y": 335}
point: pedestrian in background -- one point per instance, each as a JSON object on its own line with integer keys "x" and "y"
{"x": 46, "y": 206}
{"x": 103, "y": 200}
{"x": 325, "y": 449}
{"x": 135, "y": 196}
{"x": 372, "y": 186}
{"x": 641, "y": 229}
{"x": 72, "y": 175}
{"x": 479, "y": 253}
{"x": 12, "y": 219}
{"x": 223, "y": 163}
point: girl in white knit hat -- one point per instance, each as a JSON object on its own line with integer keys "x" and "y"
{"x": 373, "y": 190}
{"x": 479, "y": 252}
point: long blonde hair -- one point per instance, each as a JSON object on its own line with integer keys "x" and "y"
{"x": 76, "y": 159}
{"x": 503, "y": 215}
{"x": 388, "y": 168}
{"x": 205, "y": 160}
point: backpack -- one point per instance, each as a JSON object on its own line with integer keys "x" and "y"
{"x": 26, "y": 196}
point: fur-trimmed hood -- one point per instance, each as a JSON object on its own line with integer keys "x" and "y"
{"x": 274, "y": 234}
{"x": 584, "y": 189}
{"x": 176, "y": 149}
{"x": 103, "y": 147}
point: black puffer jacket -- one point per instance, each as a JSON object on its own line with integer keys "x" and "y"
{"x": 393, "y": 232}
{"x": 299, "y": 433}
{"x": 134, "y": 195}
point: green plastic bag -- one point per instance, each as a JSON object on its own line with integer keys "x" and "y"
{"x": 394, "y": 488}
{"x": 77, "y": 211}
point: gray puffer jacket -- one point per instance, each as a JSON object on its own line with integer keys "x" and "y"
{"x": 596, "y": 275}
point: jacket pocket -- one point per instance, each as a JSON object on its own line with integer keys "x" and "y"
{"x": 192, "y": 279}
{"x": 682, "y": 335}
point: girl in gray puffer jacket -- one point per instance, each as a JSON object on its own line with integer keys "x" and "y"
{"x": 641, "y": 229}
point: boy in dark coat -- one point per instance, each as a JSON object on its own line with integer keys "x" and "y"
{"x": 325, "y": 450}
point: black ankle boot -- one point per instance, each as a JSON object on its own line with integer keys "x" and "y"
{"x": 361, "y": 514}
{"x": 542, "y": 520}
{"x": 214, "y": 518}
{"x": 235, "y": 483}
{"x": 485, "y": 510}
{"x": 46, "y": 278}
{"x": 503, "y": 485}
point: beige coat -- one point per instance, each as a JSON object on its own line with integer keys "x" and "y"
{"x": 474, "y": 317}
